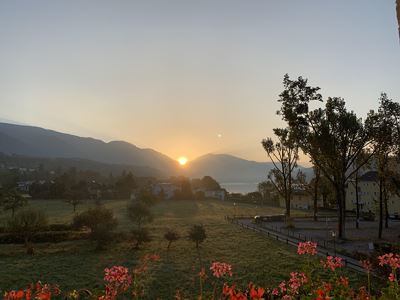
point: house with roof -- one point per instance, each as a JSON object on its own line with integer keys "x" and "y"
{"x": 368, "y": 195}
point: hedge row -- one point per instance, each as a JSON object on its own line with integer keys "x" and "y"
{"x": 44, "y": 237}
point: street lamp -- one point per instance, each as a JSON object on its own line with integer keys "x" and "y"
{"x": 334, "y": 241}
{"x": 234, "y": 209}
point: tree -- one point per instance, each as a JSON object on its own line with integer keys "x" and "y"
{"x": 125, "y": 185}
{"x": 101, "y": 222}
{"x": 381, "y": 125}
{"x": 197, "y": 234}
{"x": 171, "y": 236}
{"x": 331, "y": 136}
{"x": 265, "y": 188}
{"x": 209, "y": 183}
{"x": 76, "y": 194}
{"x": 27, "y": 223}
{"x": 139, "y": 213}
{"x": 283, "y": 154}
{"x": 140, "y": 236}
{"x": 12, "y": 200}
{"x": 398, "y": 13}
{"x": 311, "y": 188}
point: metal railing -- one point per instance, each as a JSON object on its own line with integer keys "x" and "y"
{"x": 293, "y": 240}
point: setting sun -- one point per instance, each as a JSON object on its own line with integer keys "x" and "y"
{"x": 182, "y": 160}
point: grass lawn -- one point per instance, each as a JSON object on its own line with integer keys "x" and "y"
{"x": 75, "y": 265}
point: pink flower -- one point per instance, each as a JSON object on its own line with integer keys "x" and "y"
{"x": 307, "y": 248}
{"x": 221, "y": 269}
{"x": 275, "y": 292}
{"x": 392, "y": 277}
{"x": 118, "y": 281}
{"x": 390, "y": 259}
{"x": 332, "y": 263}
{"x": 296, "y": 281}
{"x": 366, "y": 264}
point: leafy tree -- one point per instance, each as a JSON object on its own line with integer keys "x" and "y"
{"x": 76, "y": 194}
{"x": 171, "y": 236}
{"x": 197, "y": 234}
{"x": 311, "y": 188}
{"x": 27, "y": 223}
{"x": 139, "y": 213}
{"x": 12, "y": 200}
{"x": 283, "y": 154}
{"x": 331, "y": 136}
{"x": 209, "y": 183}
{"x": 140, "y": 236}
{"x": 125, "y": 185}
{"x": 100, "y": 221}
{"x": 382, "y": 125}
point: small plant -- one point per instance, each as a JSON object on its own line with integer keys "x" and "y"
{"x": 171, "y": 236}
{"x": 140, "y": 236}
{"x": 197, "y": 234}
{"x": 27, "y": 223}
{"x": 100, "y": 221}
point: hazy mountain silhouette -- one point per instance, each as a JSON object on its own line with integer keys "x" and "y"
{"x": 80, "y": 151}
{"x": 229, "y": 168}
{"x": 39, "y": 142}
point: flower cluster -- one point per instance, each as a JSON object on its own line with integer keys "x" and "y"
{"x": 252, "y": 293}
{"x": 290, "y": 289}
{"x": 221, "y": 269}
{"x": 332, "y": 263}
{"x": 118, "y": 277}
{"x": 390, "y": 259}
{"x": 393, "y": 261}
{"x": 307, "y": 248}
{"x": 36, "y": 291}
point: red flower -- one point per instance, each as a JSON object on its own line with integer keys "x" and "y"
{"x": 307, "y": 248}
{"x": 256, "y": 293}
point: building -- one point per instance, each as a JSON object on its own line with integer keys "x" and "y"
{"x": 368, "y": 195}
{"x": 300, "y": 199}
{"x": 165, "y": 190}
{"x": 216, "y": 194}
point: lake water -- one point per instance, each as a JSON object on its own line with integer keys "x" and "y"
{"x": 240, "y": 187}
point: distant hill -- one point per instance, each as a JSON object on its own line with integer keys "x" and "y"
{"x": 228, "y": 168}
{"x": 54, "y": 164}
{"x": 38, "y": 142}
{"x": 69, "y": 150}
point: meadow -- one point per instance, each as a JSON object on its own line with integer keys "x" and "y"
{"x": 75, "y": 264}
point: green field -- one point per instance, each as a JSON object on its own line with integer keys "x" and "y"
{"x": 75, "y": 264}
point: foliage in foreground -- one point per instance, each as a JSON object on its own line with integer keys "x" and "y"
{"x": 120, "y": 283}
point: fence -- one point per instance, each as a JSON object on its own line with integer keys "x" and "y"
{"x": 293, "y": 240}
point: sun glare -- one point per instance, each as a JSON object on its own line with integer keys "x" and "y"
{"x": 182, "y": 160}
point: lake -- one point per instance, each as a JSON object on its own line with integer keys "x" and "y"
{"x": 240, "y": 187}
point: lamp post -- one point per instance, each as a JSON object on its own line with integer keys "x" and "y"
{"x": 334, "y": 241}
{"x": 234, "y": 209}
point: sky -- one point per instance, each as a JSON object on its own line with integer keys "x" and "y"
{"x": 186, "y": 77}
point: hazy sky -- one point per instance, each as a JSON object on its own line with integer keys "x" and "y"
{"x": 188, "y": 77}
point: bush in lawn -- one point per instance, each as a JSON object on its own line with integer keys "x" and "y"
{"x": 171, "y": 236}
{"x": 140, "y": 236}
{"x": 26, "y": 223}
{"x": 100, "y": 221}
{"x": 197, "y": 234}
{"x": 139, "y": 213}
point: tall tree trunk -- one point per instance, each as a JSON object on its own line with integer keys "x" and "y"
{"x": 385, "y": 199}
{"x": 317, "y": 175}
{"x": 340, "y": 211}
{"x": 289, "y": 192}
{"x": 380, "y": 207}
{"x": 357, "y": 203}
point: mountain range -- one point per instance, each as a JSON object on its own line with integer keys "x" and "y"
{"x": 86, "y": 152}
